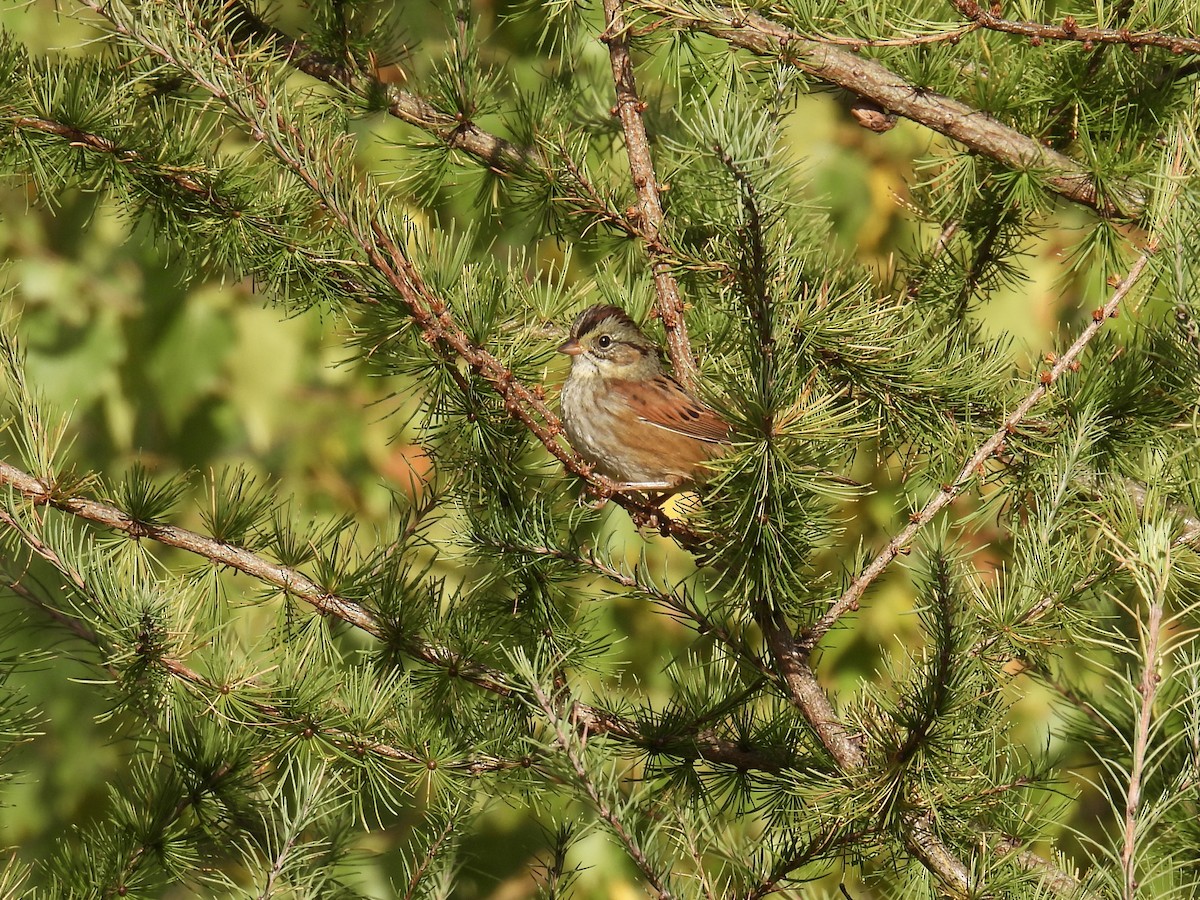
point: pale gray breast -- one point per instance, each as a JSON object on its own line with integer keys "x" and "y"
{"x": 594, "y": 420}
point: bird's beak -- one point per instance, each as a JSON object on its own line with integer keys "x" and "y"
{"x": 571, "y": 348}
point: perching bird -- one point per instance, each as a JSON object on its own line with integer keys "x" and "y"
{"x": 624, "y": 414}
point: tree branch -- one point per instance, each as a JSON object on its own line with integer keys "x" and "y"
{"x": 874, "y": 81}
{"x": 952, "y": 36}
{"x": 650, "y": 216}
{"x": 1070, "y": 30}
{"x": 973, "y": 467}
{"x": 183, "y": 672}
{"x": 194, "y": 183}
{"x": 459, "y": 133}
{"x": 706, "y": 744}
{"x": 1051, "y": 875}
{"x": 429, "y": 856}
{"x": 809, "y": 697}
{"x": 430, "y": 313}
{"x": 1150, "y": 633}
{"x": 568, "y": 743}
{"x": 588, "y": 561}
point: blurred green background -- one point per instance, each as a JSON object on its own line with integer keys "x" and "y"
{"x": 187, "y": 374}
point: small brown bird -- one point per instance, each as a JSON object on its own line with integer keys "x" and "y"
{"x": 628, "y": 417}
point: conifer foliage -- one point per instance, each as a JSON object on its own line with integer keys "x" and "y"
{"x": 293, "y": 694}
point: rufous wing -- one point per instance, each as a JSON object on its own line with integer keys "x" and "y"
{"x": 662, "y": 402}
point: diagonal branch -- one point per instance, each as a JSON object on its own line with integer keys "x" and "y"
{"x": 874, "y": 81}
{"x": 1150, "y": 634}
{"x": 807, "y": 695}
{"x": 677, "y": 602}
{"x": 650, "y": 214}
{"x": 430, "y": 854}
{"x": 1070, "y": 30}
{"x": 198, "y": 186}
{"x": 361, "y": 220}
{"x": 476, "y": 765}
{"x": 974, "y": 465}
{"x": 569, "y": 744}
{"x": 705, "y": 744}
{"x": 458, "y": 132}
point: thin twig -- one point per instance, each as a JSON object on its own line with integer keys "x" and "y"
{"x": 180, "y": 670}
{"x": 974, "y": 466}
{"x": 569, "y": 744}
{"x": 1151, "y": 633}
{"x": 1071, "y": 30}
{"x": 429, "y": 312}
{"x": 1052, "y": 876}
{"x": 952, "y": 36}
{"x": 195, "y": 183}
{"x": 1034, "y": 613}
{"x": 454, "y": 130}
{"x": 831, "y": 839}
{"x": 588, "y": 561}
{"x": 428, "y": 857}
{"x": 650, "y": 214}
{"x": 294, "y": 583}
{"x": 295, "y": 828}
{"x": 872, "y": 80}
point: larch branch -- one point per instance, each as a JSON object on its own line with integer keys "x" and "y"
{"x": 455, "y": 131}
{"x": 569, "y": 744}
{"x": 1071, "y": 30}
{"x": 807, "y": 695}
{"x": 705, "y": 744}
{"x": 180, "y": 670}
{"x": 429, "y": 312}
{"x": 650, "y": 213}
{"x": 1151, "y": 636}
{"x": 872, "y": 80}
{"x": 974, "y": 465}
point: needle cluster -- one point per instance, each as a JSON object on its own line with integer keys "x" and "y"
{"x": 924, "y": 626}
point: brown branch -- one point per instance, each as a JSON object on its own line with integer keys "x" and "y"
{"x": 1051, "y": 875}
{"x": 974, "y": 466}
{"x": 428, "y": 311}
{"x": 183, "y": 672}
{"x": 1151, "y": 634}
{"x": 630, "y": 107}
{"x": 291, "y": 581}
{"x": 807, "y": 695}
{"x": 569, "y": 745}
{"x": 706, "y": 744}
{"x": 872, "y": 80}
{"x": 473, "y": 766}
{"x": 1071, "y": 30}
{"x": 428, "y": 857}
{"x": 791, "y": 654}
{"x": 191, "y": 181}
{"x": 588, "y": 561}
{"x": 458, "y": 133}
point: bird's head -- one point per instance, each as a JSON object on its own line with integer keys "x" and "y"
{"x": 605, "y": 341}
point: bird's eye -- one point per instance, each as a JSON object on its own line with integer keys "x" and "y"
{"x": 604, "y": 342}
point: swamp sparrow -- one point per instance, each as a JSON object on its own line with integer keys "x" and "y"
{"x": 625, "y": 415}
